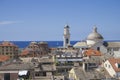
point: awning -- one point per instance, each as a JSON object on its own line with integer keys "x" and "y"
{"x": 23, "y": 72}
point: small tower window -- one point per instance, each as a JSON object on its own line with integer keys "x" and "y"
{"x": 67, "y": 40}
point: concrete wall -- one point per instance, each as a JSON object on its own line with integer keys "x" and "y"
{"x": 103, "y": 49}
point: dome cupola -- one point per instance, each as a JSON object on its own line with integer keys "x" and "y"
{"x": 94, "y": 38}
{"x": 94, "y": 35}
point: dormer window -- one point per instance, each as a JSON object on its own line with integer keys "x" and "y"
{"x": 117, "y": 65}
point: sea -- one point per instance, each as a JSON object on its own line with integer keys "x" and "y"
{"x": 51, "y": 44}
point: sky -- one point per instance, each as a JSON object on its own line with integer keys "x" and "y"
{"x": 44, "y": 20}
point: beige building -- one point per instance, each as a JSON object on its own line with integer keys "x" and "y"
{"x": 36, "y": 49}
{"x": 16, "y": 70}
{"x": 77, "y": 73}
{"x": 9, "y": 49}
{"x": 44, "y": 68}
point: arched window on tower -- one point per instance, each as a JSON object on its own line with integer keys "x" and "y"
{"x": 67, "y": 40}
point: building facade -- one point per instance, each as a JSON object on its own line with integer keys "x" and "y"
{"x": 9, "y": 49}
{"x": 36, "y": 49}
{"x": 112, "y": 66}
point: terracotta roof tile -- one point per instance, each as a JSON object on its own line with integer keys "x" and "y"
{"x": 7, "y": 43}
{"x": 113, "y": 61}
{"x": 25, "y": 52}
{"x": 92, "y": 52}
{"x": 4, "y": 58}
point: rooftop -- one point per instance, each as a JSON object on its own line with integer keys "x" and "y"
{"x": 92, "y": 52}
{"x": 113, "y": 44}
{"x": 7, "y": 43}
{"x": 25, "y": 52}
{"x": 87, "y": 75}
{"x": 81, "y": 44}
{"x": 4, "y": 58}
{"x": 113, "y": 61}
{"x": 17, "y": 66}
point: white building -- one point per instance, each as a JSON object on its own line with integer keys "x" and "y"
{"x": 92, "y": 39}
{"x": 112, "y": 65}
{"x": 96, "y": 41}
{"x": 66, "y": 36}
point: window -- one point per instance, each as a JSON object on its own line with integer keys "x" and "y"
{"x": 109, "y": 66}
{"x": 37, "y": 74}
{"x": 6, "y": 53}
{"x": 44, "y": 73}
{"x": 118, "y": 65}
{"x": 7, "y": 76}
{"x": 105, "y": 65}
{"x": 116, "y": 49}
{"x": 67, "y": 41}
{"x": 98, "y": 48}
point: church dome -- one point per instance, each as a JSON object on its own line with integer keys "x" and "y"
{"x": 94, "y": 35}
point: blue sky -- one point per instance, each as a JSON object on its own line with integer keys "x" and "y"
{"x": 44, "y": 20}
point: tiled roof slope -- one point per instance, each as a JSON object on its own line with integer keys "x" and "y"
{"x": 4, "y": 58}
{"x": 113, "y": 61}
{"x": 92, "y": 52}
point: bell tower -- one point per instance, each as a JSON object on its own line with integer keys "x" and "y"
{"x": 66, "y": 36}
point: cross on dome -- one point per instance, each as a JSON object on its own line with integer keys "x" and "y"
{"x": 95, "y": 29}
